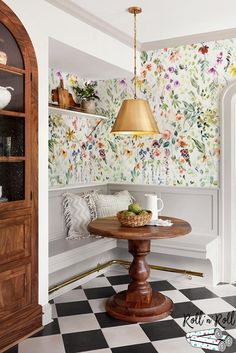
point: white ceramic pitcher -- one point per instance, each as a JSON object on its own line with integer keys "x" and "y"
{"x": 5, "y": 96}
{"x": 152, "y": 203}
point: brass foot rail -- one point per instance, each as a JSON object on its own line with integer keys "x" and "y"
{"x": 126, "y": 264}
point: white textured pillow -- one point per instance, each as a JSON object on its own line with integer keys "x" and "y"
{"x": 109, "y": 205}
{"x": 78, "y": 211}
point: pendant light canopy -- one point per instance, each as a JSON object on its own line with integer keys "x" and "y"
{"x": 135, "y": 116}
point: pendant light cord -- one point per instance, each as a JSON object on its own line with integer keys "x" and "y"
{"x": 135, "y": 57}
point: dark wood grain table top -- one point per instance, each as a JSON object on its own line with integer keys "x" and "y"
{"x": 111, "y": 227}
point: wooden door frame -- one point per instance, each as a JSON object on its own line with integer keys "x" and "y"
{"x": 30, "y": 319}
{"x": 13, "y": 23}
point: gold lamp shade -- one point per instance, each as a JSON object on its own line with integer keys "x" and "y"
{"x": 135, "y": 117}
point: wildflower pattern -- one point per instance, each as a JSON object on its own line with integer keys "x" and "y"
{"x": 183, "y": 86}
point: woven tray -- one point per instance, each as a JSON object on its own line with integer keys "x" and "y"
{"x": 134, "y": 221}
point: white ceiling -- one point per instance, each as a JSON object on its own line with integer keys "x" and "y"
{"x": 163, "y": 19}
{"x": 161, "y": 24}
{"x": 68, "y": 59}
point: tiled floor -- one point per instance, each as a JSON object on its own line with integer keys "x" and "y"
{"x": 82, "y": 325}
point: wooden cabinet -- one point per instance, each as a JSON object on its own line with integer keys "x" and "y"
{"x": 15, "y": 289}
{"x": 20, "y": 313}
{"x": 15, "y": 239}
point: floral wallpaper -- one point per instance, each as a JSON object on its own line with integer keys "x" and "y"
{"x": 69, "y": 157}
{"x": 183, "y": 86}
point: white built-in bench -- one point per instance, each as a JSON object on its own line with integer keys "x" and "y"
{"x": 67, "y": 258}
{"x": 198, "y": 251}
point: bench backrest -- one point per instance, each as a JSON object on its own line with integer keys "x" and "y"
{"x": 57, "y": 226}
{"x": 199, "y": 206}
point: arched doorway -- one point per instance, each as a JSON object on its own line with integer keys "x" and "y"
{"x": 228, "y": 183}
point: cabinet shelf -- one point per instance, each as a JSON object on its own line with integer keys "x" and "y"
{"x": 12, "y": 69}
{"x": 10, "y": 113}
{"x": 68, "y": 112}
{"x": 11, "y": 159}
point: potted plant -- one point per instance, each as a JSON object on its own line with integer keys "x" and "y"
{"x": 87, "y": 95}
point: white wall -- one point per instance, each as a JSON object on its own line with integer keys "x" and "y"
{"x": 66, "y": 28}
{"x": 42, "y": 21}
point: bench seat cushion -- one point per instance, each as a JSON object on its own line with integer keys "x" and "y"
{"x": 191, "y": 245}
{"x": 63, "y": 252}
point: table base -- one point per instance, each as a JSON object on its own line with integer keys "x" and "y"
{"x": 159, "y": 308}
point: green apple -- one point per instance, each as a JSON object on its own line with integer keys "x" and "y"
{"x": 143, "y": 212}
{"x": 128, "y": 213}
{"x": 135, "y": 208}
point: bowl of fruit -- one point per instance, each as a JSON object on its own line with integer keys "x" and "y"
{"x": 135, "y": 216}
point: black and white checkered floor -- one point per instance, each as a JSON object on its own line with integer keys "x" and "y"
{"x": 82, "y": 325}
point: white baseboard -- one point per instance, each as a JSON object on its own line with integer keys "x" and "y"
{"x": 47, "y": 314}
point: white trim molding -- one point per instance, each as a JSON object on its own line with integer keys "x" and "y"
{"x": 96, "y": 22}
{"x": 228, "y": 182}
{"x": 83, "y": 15}
{"x": 189, "y": 39}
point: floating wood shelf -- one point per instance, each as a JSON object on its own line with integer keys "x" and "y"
{"x": 68, "y": 112}
{"x": 11, "y": 159}
{"x": 11, "y": 113}
{"x": 12, "y": 69}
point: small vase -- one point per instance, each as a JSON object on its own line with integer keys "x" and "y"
{"x": 88, "y": 106}
{"x": 3, "y": 58}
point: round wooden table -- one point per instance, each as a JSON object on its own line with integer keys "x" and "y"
{"x": 139, "y": 302}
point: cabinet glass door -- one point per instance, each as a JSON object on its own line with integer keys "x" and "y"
{"x": 9, "y": 49}
{"x": 12, "y": 139}
{"x": 12, "y": 181}
{"x": 13, "y": 123}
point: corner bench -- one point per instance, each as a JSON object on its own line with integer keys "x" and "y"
{"x": 67, "y": 258}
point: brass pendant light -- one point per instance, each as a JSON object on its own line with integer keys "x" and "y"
{"x": 135, "y": 116}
